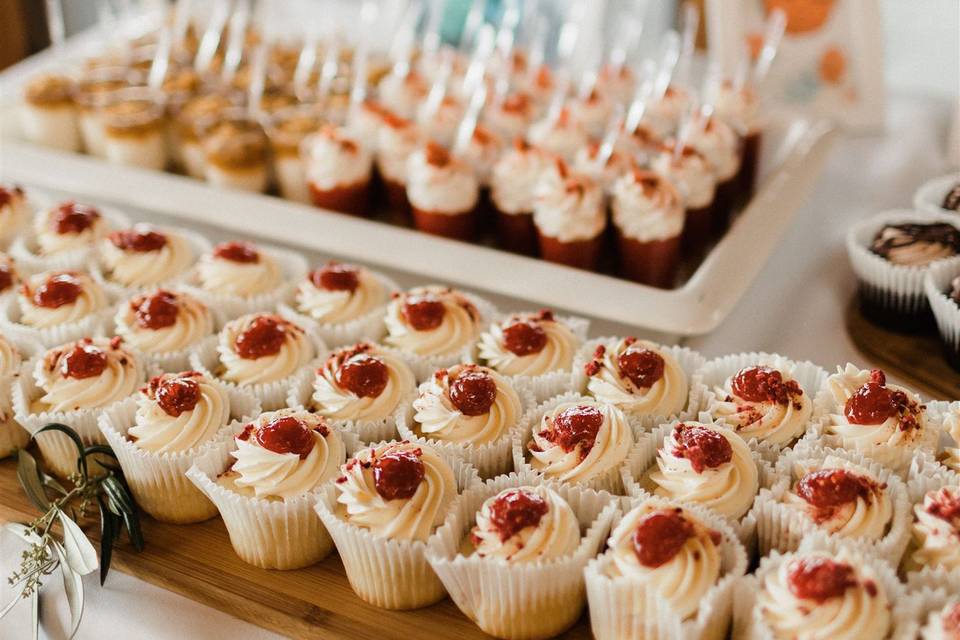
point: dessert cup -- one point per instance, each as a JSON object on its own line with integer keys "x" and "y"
{"x": 339, "y": 171}
{"x": 580, "y": 254}
{"x": 287, "y": 129}
{"x": 653, "y": 262}
{"x": 461, "y": 225}
{"x": 48, "y": 114}
{"x": 235, "y": 152}
{"x": 133, "y": 129}
{"x": 516, "y": 232}
{"x": 443, "y": 193}
{"x": 95, "y": 91}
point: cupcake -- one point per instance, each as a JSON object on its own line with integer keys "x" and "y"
{"x": 433, "y": 326}
{"x": 648, "y": 217}
{"x": 397, "y": 139}
{"x": 939, "y": 195}
{"x": 48, "y": 114}
{"x": 174, "y": 419}
{"x": 669, "y": 572}
{"x": 265, "y": 495}
{"x": 12, "y": 435}
{"x": 941, "y": 284}
{"x": 287, "y": 130}
{"x": 693, "y": 176}
{"x": 443, "y": 192}
{"x": 535, "y": 350}
{"x": 234, "y": 152}
{"x": 165, "y": 326}
{"x": 577, "y": 440}
{"x": 261, "y": 353}
{"x": 71, "y": 384}
{"x": 63, "y": 237}
{"x": 339, "y": 170}
{"x": 935, "y": 530}
{"x": 513, "y": 183}
{"x": 14, "y": 213}
{"x": 739, "y": 106}
{"x": 56, "y": 306}
{"x": 346, "y": 301}
{"x": 145, "y": 256}
{"x": 469, "y": 411}
{"x": 560, "y": 134}
{"x": 387, "y": 502}
{"x": 859, "y": 411}
{"x": 720, "y": 145}
{"x": 663, "y": 115}
{"x": 641, "y": 378}
{"x": 570, "y": 216}
{"x": 512, "y": 557}
{"x": 133, "y": 124}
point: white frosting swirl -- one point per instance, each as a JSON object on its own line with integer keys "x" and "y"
{"x": 458, "y": 328}
{"x": 937, "y": 621}
{"x": 51, "y": 242}
{"x": 951, "y": 455}
{"x": 413, "y": 518}
{"x": 449, "y": 188}
{"x": 296, "y": 351}
{"x": 226, "y": 277}
{"x": 666, "y": 397}
{"x": 402, "y": 93}
{"x": 194, "y": 322}
{"x": 146, "y": 268}
{"x": 592, "y": 111}
{"x": 739, "y": 107}
{"x": 664, "y": 115}
{"x": 157, "y": 431}
{"x": 441, "y": 125}
{"x": 646, "y": 207}
{"x": 10, "y": 358}
{"x": 482, "y": 152}
{"x": 569, "y": 207}
{"x": 397, "y": 140}
{"x": 556, "y": 534}
{"x": 561, "y": 135}
{"x": 720, "y": 145}
{"x": 936, "y": 540}
{"x": 336, "y": 159}
{"x": 329, "y": 306}
{"x": 515, "y": 177}
{"x": 91, "y": 300}
{"x": 691, "y": 173}
{"x": 336, "y": 402}
{"x": 556, "y": 355}
{"x": 117, "y": 381}
{"x": 606, "y": 175}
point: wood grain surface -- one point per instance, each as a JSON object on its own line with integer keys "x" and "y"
{"x": 198, "y": 562}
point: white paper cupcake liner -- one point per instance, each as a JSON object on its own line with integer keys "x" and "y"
{"x": 929, "y": 197}
{"x": 390, "y": 574}
{"x": 158, "y": 480}
{"x": 931, "y": 592}
{"x": 643, "y": 458}
{"x": 934, "y": 463}
{"x": 269, "y": 534}
{"x": 622, "y": 608}
{"x": 926, "y": 475}
{"x": 747, "y": 616}
{"x": 716, "y": 372}
{"x": 24, "y": 248}
{"x": 936, "y": 285}
{"x": 610, "y": 480}
{"x": 537, "y": 599}
{"x": 689, "y": 360}
{"x": 782, "y": 528}
{"x": 490, "y": 459}
{"x": 199, "y": 245}
{"x": 12, "y": 435}
{"x": 294, "y": 268}
{"x": 898, "y": 288}
{"x": 272, "y": 395}
{"x": 94, "y": 325}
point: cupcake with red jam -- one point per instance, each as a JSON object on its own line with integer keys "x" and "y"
{"x": 266, "y": 488}
{"x": 558, "y": 133}
{"x": 443, "y": 192}
{"x": 165, "y": 326}
{"x": 570, "y": 216}
{"x": 144, "y": 256}
{"x": 942, "y": 623}
{"x": 339, "y": 170}
{"x": 388, "y": 501}
{"x": 72, "y": 384}
{"x": 56, "y": 306}
{"x": 346, "y": 301}
{"x": 14, "y": 213}
{"x": 685, "y": 559}
{"x": 397, "y": 140}
{"x": 12, "y": 356}
{"x": 513, "y": 184}
{"x": 534, "y": 350}
{"x": 63, "y": 237}
{"x": 175, "y": 419}
{"x": 648, "y": 217}
{"x": 934, "y": 532}
{"x": 693, "y": 176}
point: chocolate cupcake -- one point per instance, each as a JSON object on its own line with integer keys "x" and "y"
{"x": 939, "y": 195}
{"x": 942, "y": 287}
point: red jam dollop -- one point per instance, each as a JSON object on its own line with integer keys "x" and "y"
{"x": 641, "y": 366}
{"x": 288, "y": 434}
{"x": 576, "y": 426}
{"x": 764, "y": 384}
{"x": 473, "y": 392}
{"x": 264, "y": 337}
{"x": 84, "y": 360}
{"x": 946, "y": 506}
{"x": 157, "y": 311}
{"x": 704, "y": 447}
{"x": 242, "y": 252}
{"x": 71, "y": 217}
{"x": 364, "y": 375}
{"x": 335, "y": 276}
{"x": 828, "y": 489}
{"x": 873, "y": 403}
{"x": 820, "y": 579}
{"x": 397, "y": 474}
{"x": 660, "y": 536}
{"x": 423, "y": 312}
{"x": 139, "y": 239}
{"x": 951, "y": 621}
{"x": 59, "y": 290}
{"x": 177, "y": 394}
{"x": 524, "y": 338}
{"x": 515, "y": 510}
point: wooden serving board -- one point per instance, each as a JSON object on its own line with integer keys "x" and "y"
{"x": 197, "y": 561}
{"x": 917, "y": 359}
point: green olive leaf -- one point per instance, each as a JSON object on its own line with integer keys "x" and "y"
{"x": 72, "y": 586}
{"x": 80, "y": 554}
{"x": 29, "y": 475}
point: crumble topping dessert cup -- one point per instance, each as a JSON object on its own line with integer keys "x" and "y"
{"x": 235, "y": 150}
{"x": 720, "y": 145}
{"x": 48, "y": 113}
{"x": 397, "y": 140}
{"x": 559, "y": 134}
{"x": 133, "y": 128}
{"x": 739, "y": 106}
{"x": 15, "y": 212}
{"x": 287, "y": 130}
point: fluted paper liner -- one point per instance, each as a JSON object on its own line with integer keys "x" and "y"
{"x": 609, "y": 481}
{"x": 546, "y": 385}
{"x": 269, "y": 534}
{"x": 926, "y": 475}
{"x": 12, "y": 435}
{"x": 391, "y": 574}
{"x": 490, "y": 459}
{"x": 783, "y": 528}
{"x": 92, "y": 325}
{"x": 622, "y": 608}
{"x": 24, "y": 248}
{"x": 529, "y": 600}
{"x": 688, "y": 359}
{"x": 931, "y": 592}
{"x": 158, "y": 480}
{"x": 930, "y": 195}
{"x": 936, "y": 285}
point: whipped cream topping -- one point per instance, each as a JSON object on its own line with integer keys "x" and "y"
{"x": 441, "y": 125}
{"x": 59, "y": 297}
{"x": 561, "y": 134}
{"x": 10, "y": 358}
{"x": 853, "y": 604}
{"x": 399, "y": 491}
{"x": 262, "y": 348}
{"x": 568, "y": 206}
{"x": 707, "y": 464}
{"x": 943, "y": 624}
{"x": 950, "y": 457}
{"x": 431, "y": 321}
{"x": 482, "y": 152}
{"x": 179, "y": 412}
{"x": 515, "y": 176}
{"x": 466, "y": 404}
{"x": 365, "y": 122}
{"x": 936, "y": 530}
{"x": 664, "y": 115}
{"x": 690, "y": 172}
{"x": 337, "y": 293}
{"x": 402, "y": 93}
{"x": 396, "y": 142}
{"x": 579, "y": 441}
{"x": 144, "y": 256}
{"x": 763, "y": 402}
{"x": 592, "y": 111}
{"x": 638, "y": 376}
{"x": 286, "y": 454}
{"x": 669, "y": 550}
{"x": 720, "y": 145}
{"x": 68, "y": 227}
{"x": 528, "y": 344}
{"x": 440, "y": 183}
{"x": 257, "y": 273}
{"x": 525, "y": 524}
{"x": 14, "y": 211}
{"x": 163, "y": 321}
{"x": 586, "y": 162}
{"x": 87, "y": 374}
{"x": 511, "y": 116}
{"x": 646, "y": 206}
{"x": 362, "y": 382}
{"x": 337, "y": 159}
{"x": 739, "y": 107}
